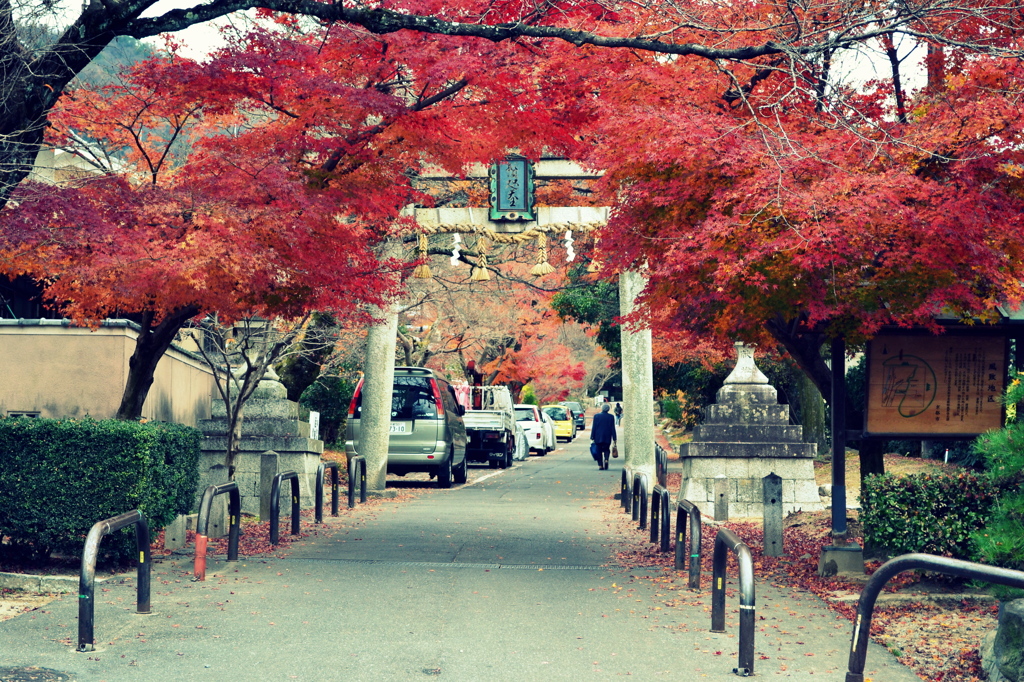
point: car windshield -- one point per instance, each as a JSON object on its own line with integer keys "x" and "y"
{"x": 525, "y": 415}
{"x": 412, "y": 398}
{"x": 557, "y": 413}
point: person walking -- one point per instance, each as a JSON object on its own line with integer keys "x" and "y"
{"x": 618, "y": 413}
{"x": 602, "y": 433}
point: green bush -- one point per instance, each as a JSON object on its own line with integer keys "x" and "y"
{"x": 671, "y": 409}
{"x": 680, "y": 409}
{"x": 59, "y": 477}
{"x": 930, "y": 513}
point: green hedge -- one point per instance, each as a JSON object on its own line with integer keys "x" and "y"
{"x": 59, "y": 477}
{"x": 928, "y": 513}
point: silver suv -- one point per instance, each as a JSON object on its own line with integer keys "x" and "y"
{"x": 427, "y": 433}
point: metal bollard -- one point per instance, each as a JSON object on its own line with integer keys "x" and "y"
{"x": 661, "y": 530}
{"x": 625, "y": 494}
{"x": 275, "y": 504}
{"x": 87, "y": 577}
{"x": 203, "y": 524}
{"x": 320, "y": 471}
{"x": 727, "y": 540}
{"x": 356, "y": 472}
{"x": 684, "y": 509}
{"x": 906, "y": 562}
{"x": 661, "y": 465}
{"x": 640, "y": 500}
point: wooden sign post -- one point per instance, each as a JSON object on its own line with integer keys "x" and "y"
{"x": 935, "y": 386}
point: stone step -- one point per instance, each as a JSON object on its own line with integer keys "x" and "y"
{"x": 739, "y": 433}
{"x": 749, "y": 450}
{"x": 733, "y": 413}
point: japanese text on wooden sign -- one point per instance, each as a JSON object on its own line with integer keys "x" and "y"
{"x": 935, "y": 386}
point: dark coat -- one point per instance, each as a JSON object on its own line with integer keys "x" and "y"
{"x": 602, "y": 428}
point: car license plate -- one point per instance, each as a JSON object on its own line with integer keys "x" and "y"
{"x": 398, "y": 427}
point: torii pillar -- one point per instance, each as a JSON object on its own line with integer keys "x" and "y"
{"x": 637, "y": 383}
{"x": 378, "y": 377}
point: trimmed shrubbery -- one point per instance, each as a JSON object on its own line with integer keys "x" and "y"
{"x": 59, "y": 477}
{"x": 931, "y": 513}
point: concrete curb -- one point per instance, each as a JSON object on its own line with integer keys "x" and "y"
{"x": 46, "y": 584}
{"x": 891, "y": 599}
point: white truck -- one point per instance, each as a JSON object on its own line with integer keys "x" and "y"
{"x": 490, "y": 424}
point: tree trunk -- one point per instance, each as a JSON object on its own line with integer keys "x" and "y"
{"x": 872, "y": 458}
{"x": 804, "y": 346}
{"x": 234, "y": 439}
{"x": 151, "y": 345}
{"x": 812, "y": 412}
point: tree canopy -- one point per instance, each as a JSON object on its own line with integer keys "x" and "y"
{"x": 766, "y": 195}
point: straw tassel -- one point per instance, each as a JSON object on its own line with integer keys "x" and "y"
{"x": 422, "y": 271}
{"x": 543, "y": 267}
{"x": 480, "y": 273}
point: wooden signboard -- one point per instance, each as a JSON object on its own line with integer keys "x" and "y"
{"x": 934, "y": 386}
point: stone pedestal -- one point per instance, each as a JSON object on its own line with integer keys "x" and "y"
{"x": 745, "y": 437}
{"x": 841, "y": 559}
{"x": 270, "y": 422}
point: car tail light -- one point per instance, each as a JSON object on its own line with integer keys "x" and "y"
{"x": 437, "y": 397}
{"x": 355, "y": 399}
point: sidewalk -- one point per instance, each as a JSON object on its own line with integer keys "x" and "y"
{"x": 510, "y": 578}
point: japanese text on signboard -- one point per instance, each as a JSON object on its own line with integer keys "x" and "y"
{"x": 946, "y": 385}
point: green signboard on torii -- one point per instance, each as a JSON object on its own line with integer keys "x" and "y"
{"x": 512, "y": 190}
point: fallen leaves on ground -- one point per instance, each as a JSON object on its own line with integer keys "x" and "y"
{"x": 938, "y": 641}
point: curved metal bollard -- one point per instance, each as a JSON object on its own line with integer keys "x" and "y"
{"x": 320, "y": 471}
{"x": 907, "y": 562}
{"x": 661, "y": 524}
{"x": 87, "y": 578}
{"x": 203, "y": 524}
{"x": 640, "y": 500}
{"x": 356, "y": 472}
{"x": 725, "y": 541}
{"x": 275, "y": 504}
{"x": 625, "y": 494}
{"x": 661, "y": 465}
{"x": 684, "y": 509}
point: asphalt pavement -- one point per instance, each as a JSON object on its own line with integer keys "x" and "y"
{"x": 512, "y": 577}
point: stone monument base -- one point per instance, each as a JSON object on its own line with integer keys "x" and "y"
{"x": 745, "y": 487}
{"x": 247, "y": 475}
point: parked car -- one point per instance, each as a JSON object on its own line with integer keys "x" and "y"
{"x": 579, "y": 414}
{"x": 540, "y": 431}
{"x": 565, "y": 427}
{"x": 427, "y": 432}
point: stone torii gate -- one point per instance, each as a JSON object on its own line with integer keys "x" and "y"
{"x": 519, "y": 217}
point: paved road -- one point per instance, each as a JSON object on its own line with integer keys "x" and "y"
{"x": 509, "y": 578}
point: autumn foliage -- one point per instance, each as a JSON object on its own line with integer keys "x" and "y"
{"x": 767, "y": 196}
